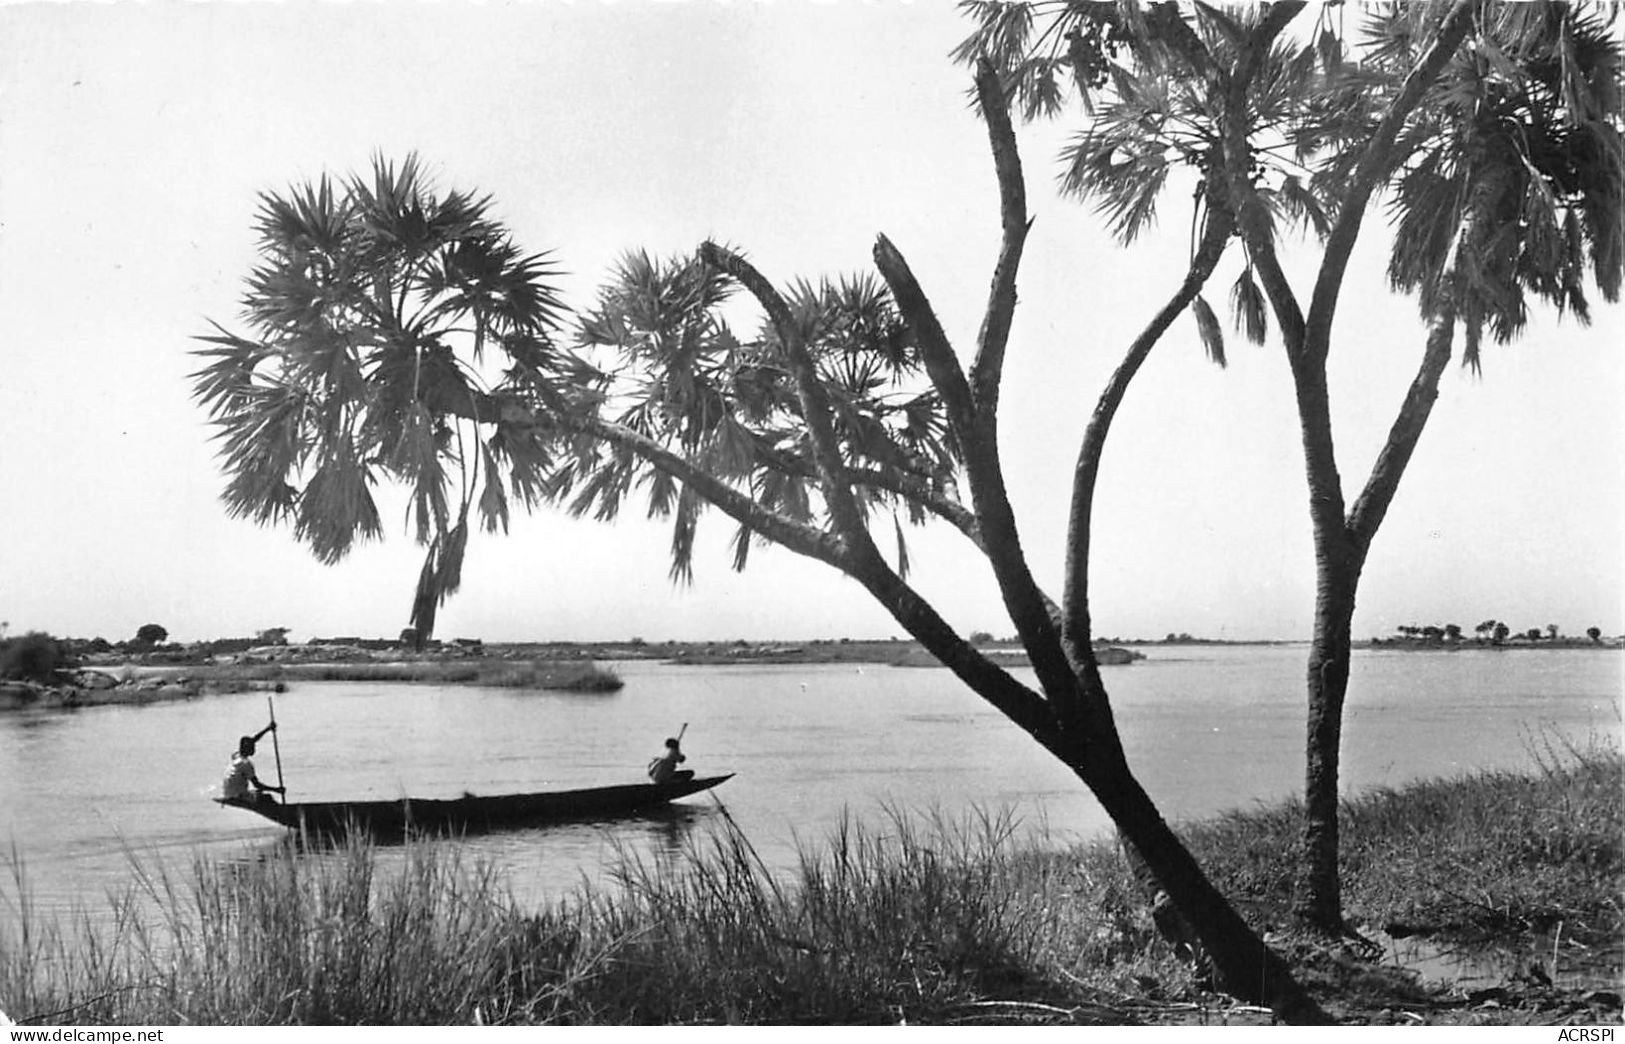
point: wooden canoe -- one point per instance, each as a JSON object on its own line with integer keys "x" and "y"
{"x": 471, "y": 814}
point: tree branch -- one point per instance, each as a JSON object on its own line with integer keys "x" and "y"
{"x": 986, "y": 678}
{"x": 797, "y": 536}
{"x": 988, "y": 368}
{"x": 990, "y": 681}
{"x": 1371, "y": 170}
{"x": 815, "y": 407}
{"x": 916, "y": 492}
{"x": 975, "y": 433}
{"x": 1283, "y": 302}
{"x": 941, "y": 364}
{"x": 1076, "y": 628}
{"x": 1310, "y": 393}
{"x": 1220, "y": 224}
{"x": 1374, "y": 500}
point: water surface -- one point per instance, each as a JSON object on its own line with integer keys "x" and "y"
{"x": 84, "y": 792}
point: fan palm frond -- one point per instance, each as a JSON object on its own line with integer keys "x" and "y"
{"x": 1207, "y": 325}
{"x": 1247, "y": 304}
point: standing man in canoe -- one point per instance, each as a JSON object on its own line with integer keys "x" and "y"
{"x": 240, "y": 775}
{"x": 664, "y": 768}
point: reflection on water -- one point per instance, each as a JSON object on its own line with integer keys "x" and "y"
{"x": 1206, "y": 729}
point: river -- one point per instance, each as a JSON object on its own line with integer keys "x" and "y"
{"x": 85, "y": 793}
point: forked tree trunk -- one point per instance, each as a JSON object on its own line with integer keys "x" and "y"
{"x": 1092, "y": 748}
{"x": 1341, "y": 547}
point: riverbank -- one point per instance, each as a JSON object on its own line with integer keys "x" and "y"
{"x": 129, "y": 683}
{"x": 571, "y": 675}
{"x": 904, "y": 921}
{"x": 172, "y": 673}
{"x": 96, "y": 689}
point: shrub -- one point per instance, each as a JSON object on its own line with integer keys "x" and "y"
{"x": 35, "y": 656}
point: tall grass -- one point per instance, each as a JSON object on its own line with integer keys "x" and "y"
{"x": 920, "y": 922}
{"x": 1483, "y": 854}
{"x": 285, "y": 940}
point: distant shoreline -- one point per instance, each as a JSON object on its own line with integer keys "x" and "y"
{"x": 178, "y": 673}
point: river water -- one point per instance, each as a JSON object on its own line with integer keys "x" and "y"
{"x": 84, "y": 794}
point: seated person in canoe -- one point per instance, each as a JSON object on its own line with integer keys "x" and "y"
{"x": 664, "y": 768}
{"x": 240, "y": 777}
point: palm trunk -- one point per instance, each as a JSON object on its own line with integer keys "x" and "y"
{"x": 1246, "y": 967}
{"x": 1091, "y": 747}
{"x": 1320, "y": 900}
{"x": 1341, "y": 547}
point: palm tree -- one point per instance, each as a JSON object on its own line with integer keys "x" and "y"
{"x": 1504, "y": 161}
{"x": 1507, "y": 178}
{"x": 374, "y": 317}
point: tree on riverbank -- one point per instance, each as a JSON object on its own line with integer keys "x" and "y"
{"x": 32, "y": 657}
{"x": 1495, "y": 129}
{"x": 376, "y": 309}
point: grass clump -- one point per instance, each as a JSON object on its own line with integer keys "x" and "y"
{"x": 1483, "y": 855}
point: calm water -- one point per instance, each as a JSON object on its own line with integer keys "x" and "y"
{"x": 82, "y": 792}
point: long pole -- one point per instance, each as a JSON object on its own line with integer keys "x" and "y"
{"x": 681, "y": 731}
{"x": 276, "y": 748}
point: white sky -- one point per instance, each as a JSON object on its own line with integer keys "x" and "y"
{"x": 134, "y": 140}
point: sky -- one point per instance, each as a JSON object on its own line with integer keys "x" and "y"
{"x": 135, "y": 141}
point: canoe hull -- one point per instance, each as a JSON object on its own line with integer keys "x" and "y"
{"x": 469, "y": 815}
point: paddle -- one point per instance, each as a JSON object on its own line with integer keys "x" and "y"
{"x": 276, "y": 748}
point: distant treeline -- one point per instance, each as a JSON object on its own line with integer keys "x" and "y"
{"x": 1489, "y": 632}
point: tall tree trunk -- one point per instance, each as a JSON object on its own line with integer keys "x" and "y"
{"x": 1337, "y": 570}
{"x": 1246, "y": 967}
{"x": 1090, "y": 745}
{"x": 1341, "y": 548}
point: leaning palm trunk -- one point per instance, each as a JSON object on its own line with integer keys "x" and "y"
{"x": 1245, "y": 965}
{"x": 1075, "y": 724}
